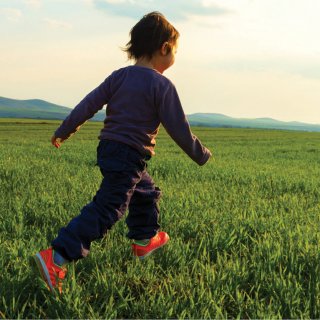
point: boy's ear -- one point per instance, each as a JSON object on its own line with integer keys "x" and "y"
{"x": 165, "y": 48}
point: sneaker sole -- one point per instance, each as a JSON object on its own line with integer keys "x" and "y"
{"x": 43, "y": 270}
{"x": 150, "y": 252}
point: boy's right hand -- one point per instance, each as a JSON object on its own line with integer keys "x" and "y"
{"x": 56, "y": 141}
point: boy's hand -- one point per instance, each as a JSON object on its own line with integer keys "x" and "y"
{"x": 56, "y": 141}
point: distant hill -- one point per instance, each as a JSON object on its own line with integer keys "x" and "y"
{"x": 40, "y": 109}
{"x": 220, "y": 120}
{"x": 36, "y": 109}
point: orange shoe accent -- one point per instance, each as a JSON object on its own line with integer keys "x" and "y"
{"x": 51, "y": 273}
{"x": 159, "y": 240}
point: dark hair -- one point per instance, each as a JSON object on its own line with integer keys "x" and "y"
{"x": 149, "y": 34}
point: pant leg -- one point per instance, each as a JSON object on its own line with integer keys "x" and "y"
{"x": 120, "y": 177}
{"x": 143, "y": 217}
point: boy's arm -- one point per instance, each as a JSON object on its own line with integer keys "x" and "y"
{"x": 85, "y": 110}
{"x": 176, "y": 124}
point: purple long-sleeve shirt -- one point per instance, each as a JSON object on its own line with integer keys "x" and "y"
{"x": 138, "y": 100}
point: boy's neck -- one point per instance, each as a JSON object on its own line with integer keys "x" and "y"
{"x": 146, "y": 63}
{"x": 153, "y": 63}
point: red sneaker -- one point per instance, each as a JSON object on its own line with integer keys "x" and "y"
{"x": 51, "y": 273}
{"x": 159, "y": 240}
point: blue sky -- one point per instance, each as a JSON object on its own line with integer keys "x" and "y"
{"x": 243, "y": 58}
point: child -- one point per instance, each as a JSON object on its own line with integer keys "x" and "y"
{"x": 138, "y": 99}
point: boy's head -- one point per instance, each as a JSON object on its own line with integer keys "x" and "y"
{"x": 149, "y": 35}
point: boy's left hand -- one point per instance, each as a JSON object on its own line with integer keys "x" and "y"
{"x": 56, "y": 141}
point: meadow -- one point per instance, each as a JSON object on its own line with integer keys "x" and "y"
{"x": 244, "y": 228}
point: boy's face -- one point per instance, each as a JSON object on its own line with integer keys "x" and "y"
{"x": 171, "y": 55}
{"x": 167, "y": 56}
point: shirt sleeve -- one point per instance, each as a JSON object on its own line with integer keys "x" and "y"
{"x": 176, "y": 124}
{"x": 85, "y": 110}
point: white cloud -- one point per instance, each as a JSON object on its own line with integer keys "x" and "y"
{"x": 11, "y": 14}
{"x": 118, "y": 1}
{"x": 88, "y": 2}
{"x": 57, "y": 23}
{"x": 208, "y": 3}
{"x": 179, "y": 9}
{"x": 34, "y": 3}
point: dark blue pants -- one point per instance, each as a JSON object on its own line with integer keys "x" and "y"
{"x": 126, "y": 185}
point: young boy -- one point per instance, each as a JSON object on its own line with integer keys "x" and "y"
{"x": 139, "y": 98}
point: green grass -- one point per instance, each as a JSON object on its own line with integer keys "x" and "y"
{"x": 244, "y": 228}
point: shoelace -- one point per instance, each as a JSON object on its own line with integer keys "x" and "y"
{"x": 62, "y": 274}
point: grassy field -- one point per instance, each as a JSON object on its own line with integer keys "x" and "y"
{"x": 244, "y": 228}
